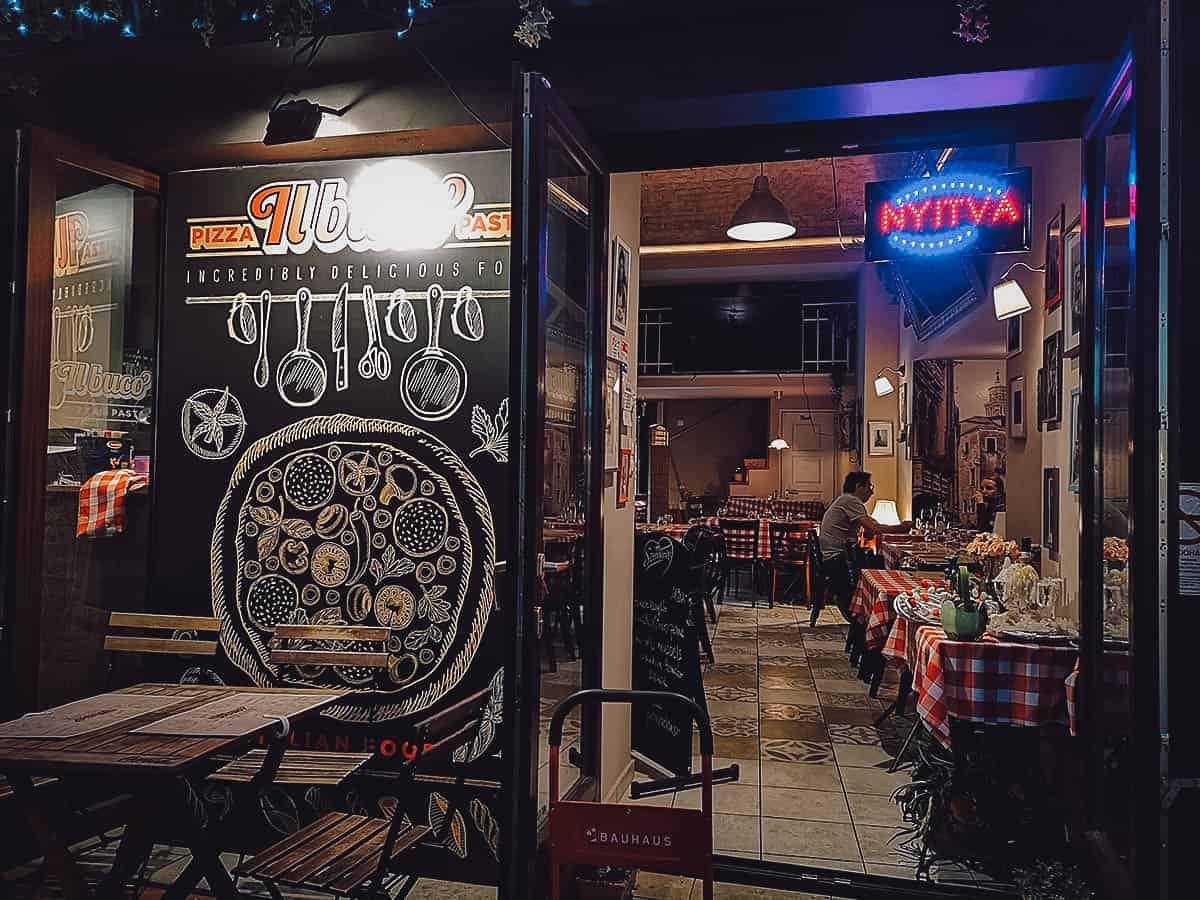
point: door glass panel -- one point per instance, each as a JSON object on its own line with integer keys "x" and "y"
{"x": 1114, "y": 442}
{"x": 567, "y": 492}
{"x": 102, "y": 365}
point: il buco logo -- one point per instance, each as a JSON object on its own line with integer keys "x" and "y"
{"x": 392, "y": 206}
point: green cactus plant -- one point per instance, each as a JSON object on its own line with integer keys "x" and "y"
{"x": 963, "y": 618}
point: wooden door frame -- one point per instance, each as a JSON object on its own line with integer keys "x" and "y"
{"x": 40, "y": 151}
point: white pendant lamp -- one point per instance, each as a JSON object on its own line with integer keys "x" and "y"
{"x": 761, "y": 217}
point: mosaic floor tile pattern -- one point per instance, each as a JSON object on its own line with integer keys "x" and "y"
{"x": 814, "y": 787}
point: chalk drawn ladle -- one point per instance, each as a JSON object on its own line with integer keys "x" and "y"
{"x": 262, "y": 365}
{"x": 302, "y": 375}
{"x": 434, "y": 381}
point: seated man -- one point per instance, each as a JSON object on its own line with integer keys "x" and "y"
{"x": 839, "y": 528}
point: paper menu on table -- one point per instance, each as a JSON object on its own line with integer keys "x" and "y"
{"x": 85, "y": 716}
{"x": 234, "y": 715}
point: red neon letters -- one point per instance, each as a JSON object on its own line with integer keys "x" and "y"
{"x": 934, "y": 214}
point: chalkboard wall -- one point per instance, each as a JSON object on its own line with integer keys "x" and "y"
{"x": 332, "y": 427}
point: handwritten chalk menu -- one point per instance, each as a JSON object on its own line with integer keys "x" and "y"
{"x": 96, "y": 382}
{"x": 665, "y": 649}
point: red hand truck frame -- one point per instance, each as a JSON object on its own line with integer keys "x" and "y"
{"x": 655, "y": 838}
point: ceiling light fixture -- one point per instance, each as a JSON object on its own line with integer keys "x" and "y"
{"x": 1008, "y": 297}
{"x": 761, "y": 217}
{"x": 883, "y": 384}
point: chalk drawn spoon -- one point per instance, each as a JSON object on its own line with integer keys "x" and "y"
{"x": 434, "y": 381}
{"x": 262, "y": 365}
{"x": 302, "y": 374}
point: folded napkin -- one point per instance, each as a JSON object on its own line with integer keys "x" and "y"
{"x": 102, "y": 501}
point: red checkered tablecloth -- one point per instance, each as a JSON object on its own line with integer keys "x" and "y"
{"x": 1118, "y": 683}
{"x": 800, "y": 534}
{"x": 873, "y": 582}
{"x": 989, "y": 681}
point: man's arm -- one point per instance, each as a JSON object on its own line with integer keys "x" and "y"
{"x": 872, "y": 528}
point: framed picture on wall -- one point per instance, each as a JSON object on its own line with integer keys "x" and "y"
{"x": 1076, "y": 461}
{"x": 1050, "y": 510}
{"x": 624, "y": 476}
{"x": 1054, "y": 258}
{"x": 622, "y": 261}
{"x": 1073, "y": 288}
{"x": 612, "y": 414}
{"x": 1016, "y": 407}
{"x": 1013, "y": 346}
{"x": 1052, "y": 365}
{"x": 879, "y": 438}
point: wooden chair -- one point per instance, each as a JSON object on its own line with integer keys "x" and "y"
{"x": 160, "y": 635}
{"x": 817, "y": 582}
{"x": 314, "y": 645}
{"x": 784, "y": 556}
{"x": 741, "y": 549}
{"x": 351, "y": 855}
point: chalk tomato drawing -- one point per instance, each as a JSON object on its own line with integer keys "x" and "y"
{"x": 383, "y": 522}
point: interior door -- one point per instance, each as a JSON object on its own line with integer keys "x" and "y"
{"x": 810, "y": 463}
{"x": 84, "y": 333}
{"x": 559, "y": 336}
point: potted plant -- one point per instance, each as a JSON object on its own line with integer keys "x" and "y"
{"x": 963, "y": 617}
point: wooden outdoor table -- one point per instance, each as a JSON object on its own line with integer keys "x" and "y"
{"x": 148, "y": 766}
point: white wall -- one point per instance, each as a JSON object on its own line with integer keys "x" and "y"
{"x": 625, "y": 216}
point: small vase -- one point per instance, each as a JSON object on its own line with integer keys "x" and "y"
{"x": 963, "y": 624}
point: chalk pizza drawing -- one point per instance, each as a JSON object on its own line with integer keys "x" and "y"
{"x": 492, "y": 433}
{"x": 212, "y": 423}
{"x": 433, "y": 382}
{"x": 493, "y": 715}
{"x": 301, "y": 376}
{"x": 297, "y": 530}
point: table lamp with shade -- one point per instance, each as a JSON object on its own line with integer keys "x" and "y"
{"x": 885, "y": 512}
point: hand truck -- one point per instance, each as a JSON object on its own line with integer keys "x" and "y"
{"x": 655, "y": 838}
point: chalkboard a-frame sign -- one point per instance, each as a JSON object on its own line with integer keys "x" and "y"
{"x": 666, "y": 653}
{"x": 333, "y": 427}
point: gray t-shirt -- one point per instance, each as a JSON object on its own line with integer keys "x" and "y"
{"x": 839, "y": 525}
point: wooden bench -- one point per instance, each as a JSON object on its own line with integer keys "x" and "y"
{"x": 314, "y": 645}
{"x": 350, "y": 855}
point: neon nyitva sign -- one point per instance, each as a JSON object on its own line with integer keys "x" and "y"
{"x": 950, "y": 214}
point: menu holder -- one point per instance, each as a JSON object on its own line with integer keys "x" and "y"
{"x": 85, "y": 716}
{"x": 237, "y": 715}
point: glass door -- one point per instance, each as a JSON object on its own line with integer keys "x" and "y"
{"x": 560, "y": 191}
{"x": 82, "y": 371}
{"x": 1129, "y": 489}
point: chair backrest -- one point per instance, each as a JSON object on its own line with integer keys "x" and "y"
{"x": 741, "y": 538}
{"x": 798, "y": 509}
{"x": 444, "y": 731}
{"x": 747, "y": 506}
{"x": 329, "y": 645}
{"x": 782, "y": 541}
{"x": 162, "y": 634}
{"x": 816, "y": 563}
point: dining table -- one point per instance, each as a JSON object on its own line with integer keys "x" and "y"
{"x": 873, "y": 595}
{"x": 145, "y": 743}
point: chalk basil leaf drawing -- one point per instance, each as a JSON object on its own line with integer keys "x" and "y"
{"x": 297, "y": 528}
{"x": 431, "y": 606}
{"x": 389, "y": 566}
{"x": 493, "y": 433}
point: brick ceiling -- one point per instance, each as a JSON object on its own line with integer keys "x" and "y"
{"x": 686, "y": 206}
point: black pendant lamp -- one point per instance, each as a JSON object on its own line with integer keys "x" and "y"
{"x": 761, "y": 217}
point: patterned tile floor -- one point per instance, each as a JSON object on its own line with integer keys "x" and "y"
{"x": 814, "y": 789}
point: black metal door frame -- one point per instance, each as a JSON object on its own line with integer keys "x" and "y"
{"x": 538, "y": 112}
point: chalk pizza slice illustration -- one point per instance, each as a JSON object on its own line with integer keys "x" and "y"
{"x": 346, "y": 520}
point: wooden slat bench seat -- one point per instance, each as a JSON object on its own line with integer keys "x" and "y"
{"x": 341, "y": 853}
{"x": 172, "y": 644}
{"x": 336, "y": 853}
{"x": 314, "y": 645}
{"x": 296, "y": 767}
